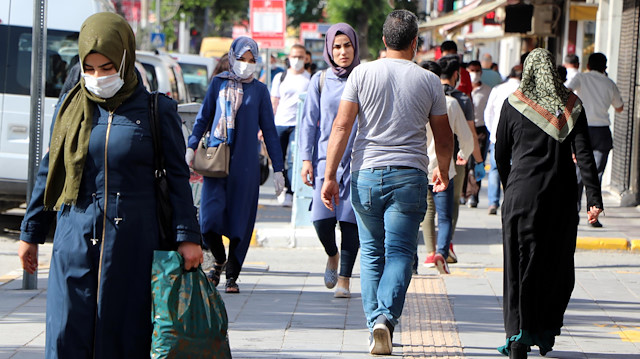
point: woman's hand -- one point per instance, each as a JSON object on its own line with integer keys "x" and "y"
{"x": 307, "y": 173}
{"x": 592, "y": 215}
{"x": 278, "y": 182}
{"x": 192, "y": 254}
{"x": 28, "y": 253}
{"x": 188, "y": 156}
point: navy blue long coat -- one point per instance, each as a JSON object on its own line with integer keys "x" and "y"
{"x": 229, "y": 205}
{"x": 104, "y": 311}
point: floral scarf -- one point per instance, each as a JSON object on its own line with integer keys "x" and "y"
{"x": 543, "y": 98}
{"x": 231, "y": 93}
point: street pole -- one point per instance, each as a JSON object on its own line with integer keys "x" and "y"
{"x": 38, "y": 66}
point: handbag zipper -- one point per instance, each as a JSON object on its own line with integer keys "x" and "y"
{"x": 104, "y": 224}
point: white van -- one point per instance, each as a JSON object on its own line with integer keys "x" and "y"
{"x": 64, "y": 18}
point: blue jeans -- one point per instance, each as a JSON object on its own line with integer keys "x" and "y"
{"x": 287, "y": 135}
{"x": 493, "y": 190}
{"x": 389, "y": 203}
{"x": 444, "y": 208}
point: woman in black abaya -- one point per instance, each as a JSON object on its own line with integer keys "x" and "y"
{"x": 541, "y": 125}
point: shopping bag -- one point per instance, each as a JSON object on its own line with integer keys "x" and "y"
{"x": 188, "y": 314}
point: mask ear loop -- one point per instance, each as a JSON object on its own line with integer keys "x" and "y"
{"x": 122, "y": 63}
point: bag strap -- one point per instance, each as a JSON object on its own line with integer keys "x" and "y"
{"x": 156, "y": 135}
{"x": 323, "y": 76}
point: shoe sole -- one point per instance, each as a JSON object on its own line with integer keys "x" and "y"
{"x": 381, "y": 340}
{"x": 428, "y": 265}
{"x": 442, "y": 267}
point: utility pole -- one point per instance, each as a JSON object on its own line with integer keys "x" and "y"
{"x": 38, "y": 66}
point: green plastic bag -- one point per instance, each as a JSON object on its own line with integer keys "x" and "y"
{"x": 188, "y": 314}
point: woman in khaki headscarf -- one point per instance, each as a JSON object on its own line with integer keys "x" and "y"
{"x": 541, "y": 124}
{"x": 98, "y": 180}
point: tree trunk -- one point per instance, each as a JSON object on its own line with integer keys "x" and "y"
{"x": 362, "y": 26}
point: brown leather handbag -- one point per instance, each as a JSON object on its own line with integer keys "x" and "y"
{"x": 212, "y": 161}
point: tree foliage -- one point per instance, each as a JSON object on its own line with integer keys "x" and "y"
{"x": 299, "y": 11}
{"x": 366, "y": 17}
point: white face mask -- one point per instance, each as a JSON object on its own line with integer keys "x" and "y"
{"x": 475, "y": 77}
{"x": 296, "y": 63}
{"x": 244, "y": 70}
{"x": 105, "y": 86}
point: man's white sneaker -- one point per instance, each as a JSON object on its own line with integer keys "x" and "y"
{"x": 380, "y": 342}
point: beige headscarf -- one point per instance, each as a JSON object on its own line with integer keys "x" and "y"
{"x": 110, "y": 35}
{"x": 543, "y": 98}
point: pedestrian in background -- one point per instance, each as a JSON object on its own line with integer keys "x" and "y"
{"x": 492, "y": 117}
{"x": 98, "y": 181}
{"x": 450, "y": 50}
{"x": 320, "y": 109}
{"x": 285, "y": 94}
{"x": 229, "y": 205}
{"x": 490, "y": 77}
{"x": 572, "y": 64}
{"x": 442, "y": 203}
{"x": 598, "y": 92}
{"x": 540, "y": 125}
{"x": 394, "y": 99}
{"x": 449, "y": 77}
{"x": 221, "y": 66}
{"x": 480, "y": 96}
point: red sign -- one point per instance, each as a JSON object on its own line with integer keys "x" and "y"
{"x": 268, "y": 23}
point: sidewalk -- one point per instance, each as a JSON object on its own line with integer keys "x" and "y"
{"x": 284, "y": 310}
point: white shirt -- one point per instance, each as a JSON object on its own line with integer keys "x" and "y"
{"x": 288, "y": 93}
{"x": 480, "y": 96}
{"x": 571, "y": 73}
{"x": 494, "y": 105}
{"x": 597, "y": 93}
{"x": 460, "y": 128}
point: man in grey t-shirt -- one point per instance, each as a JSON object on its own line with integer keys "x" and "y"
{"x": 394, "y": 100}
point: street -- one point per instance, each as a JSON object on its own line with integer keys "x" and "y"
{"x": 284, "y": 311}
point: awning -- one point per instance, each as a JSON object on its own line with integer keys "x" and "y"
{"x": 581, "y": 11}
{"x": 463, "y": 16}
{"x": 485, "y": 35}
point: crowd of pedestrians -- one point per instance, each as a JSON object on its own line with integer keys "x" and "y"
{"x": 386, "y": 145}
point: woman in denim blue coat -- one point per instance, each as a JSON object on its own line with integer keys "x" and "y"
{"x": 98, "y": 180}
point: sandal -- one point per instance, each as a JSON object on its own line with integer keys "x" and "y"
{"x": 214, "y": 274}
{"x": 232, "y": 286}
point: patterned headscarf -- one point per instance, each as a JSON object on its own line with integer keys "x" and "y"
{"x": 108, "y": 34}
{"x": 335, "y": 30}
{"x": 231, "y": 93}
{"x": 543, "y": 98}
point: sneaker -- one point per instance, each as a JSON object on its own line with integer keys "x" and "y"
{"x": 472, "y": 203}
{"x": 282, "y": 197}
{"x": 493, "y": 209}
{"x": 452, "y": 258}
{"x": 430, "y": 262}
{"x": 288, "y": 200}
{"x": 441, "y": 264}
{"x": 380, "y": 341}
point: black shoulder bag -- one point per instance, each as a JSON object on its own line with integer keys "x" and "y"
{"x": 164, "y": 211}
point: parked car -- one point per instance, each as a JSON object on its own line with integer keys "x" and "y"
{"x": 164, "y": 75}
{"x": 196, "y": 71}
{"x": 64, "y": 18}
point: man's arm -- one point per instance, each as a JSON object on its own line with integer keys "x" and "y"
{"x": 274, "y": 103}
{"x": 443, "y": 138}
{"x": 340, "y": 132}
